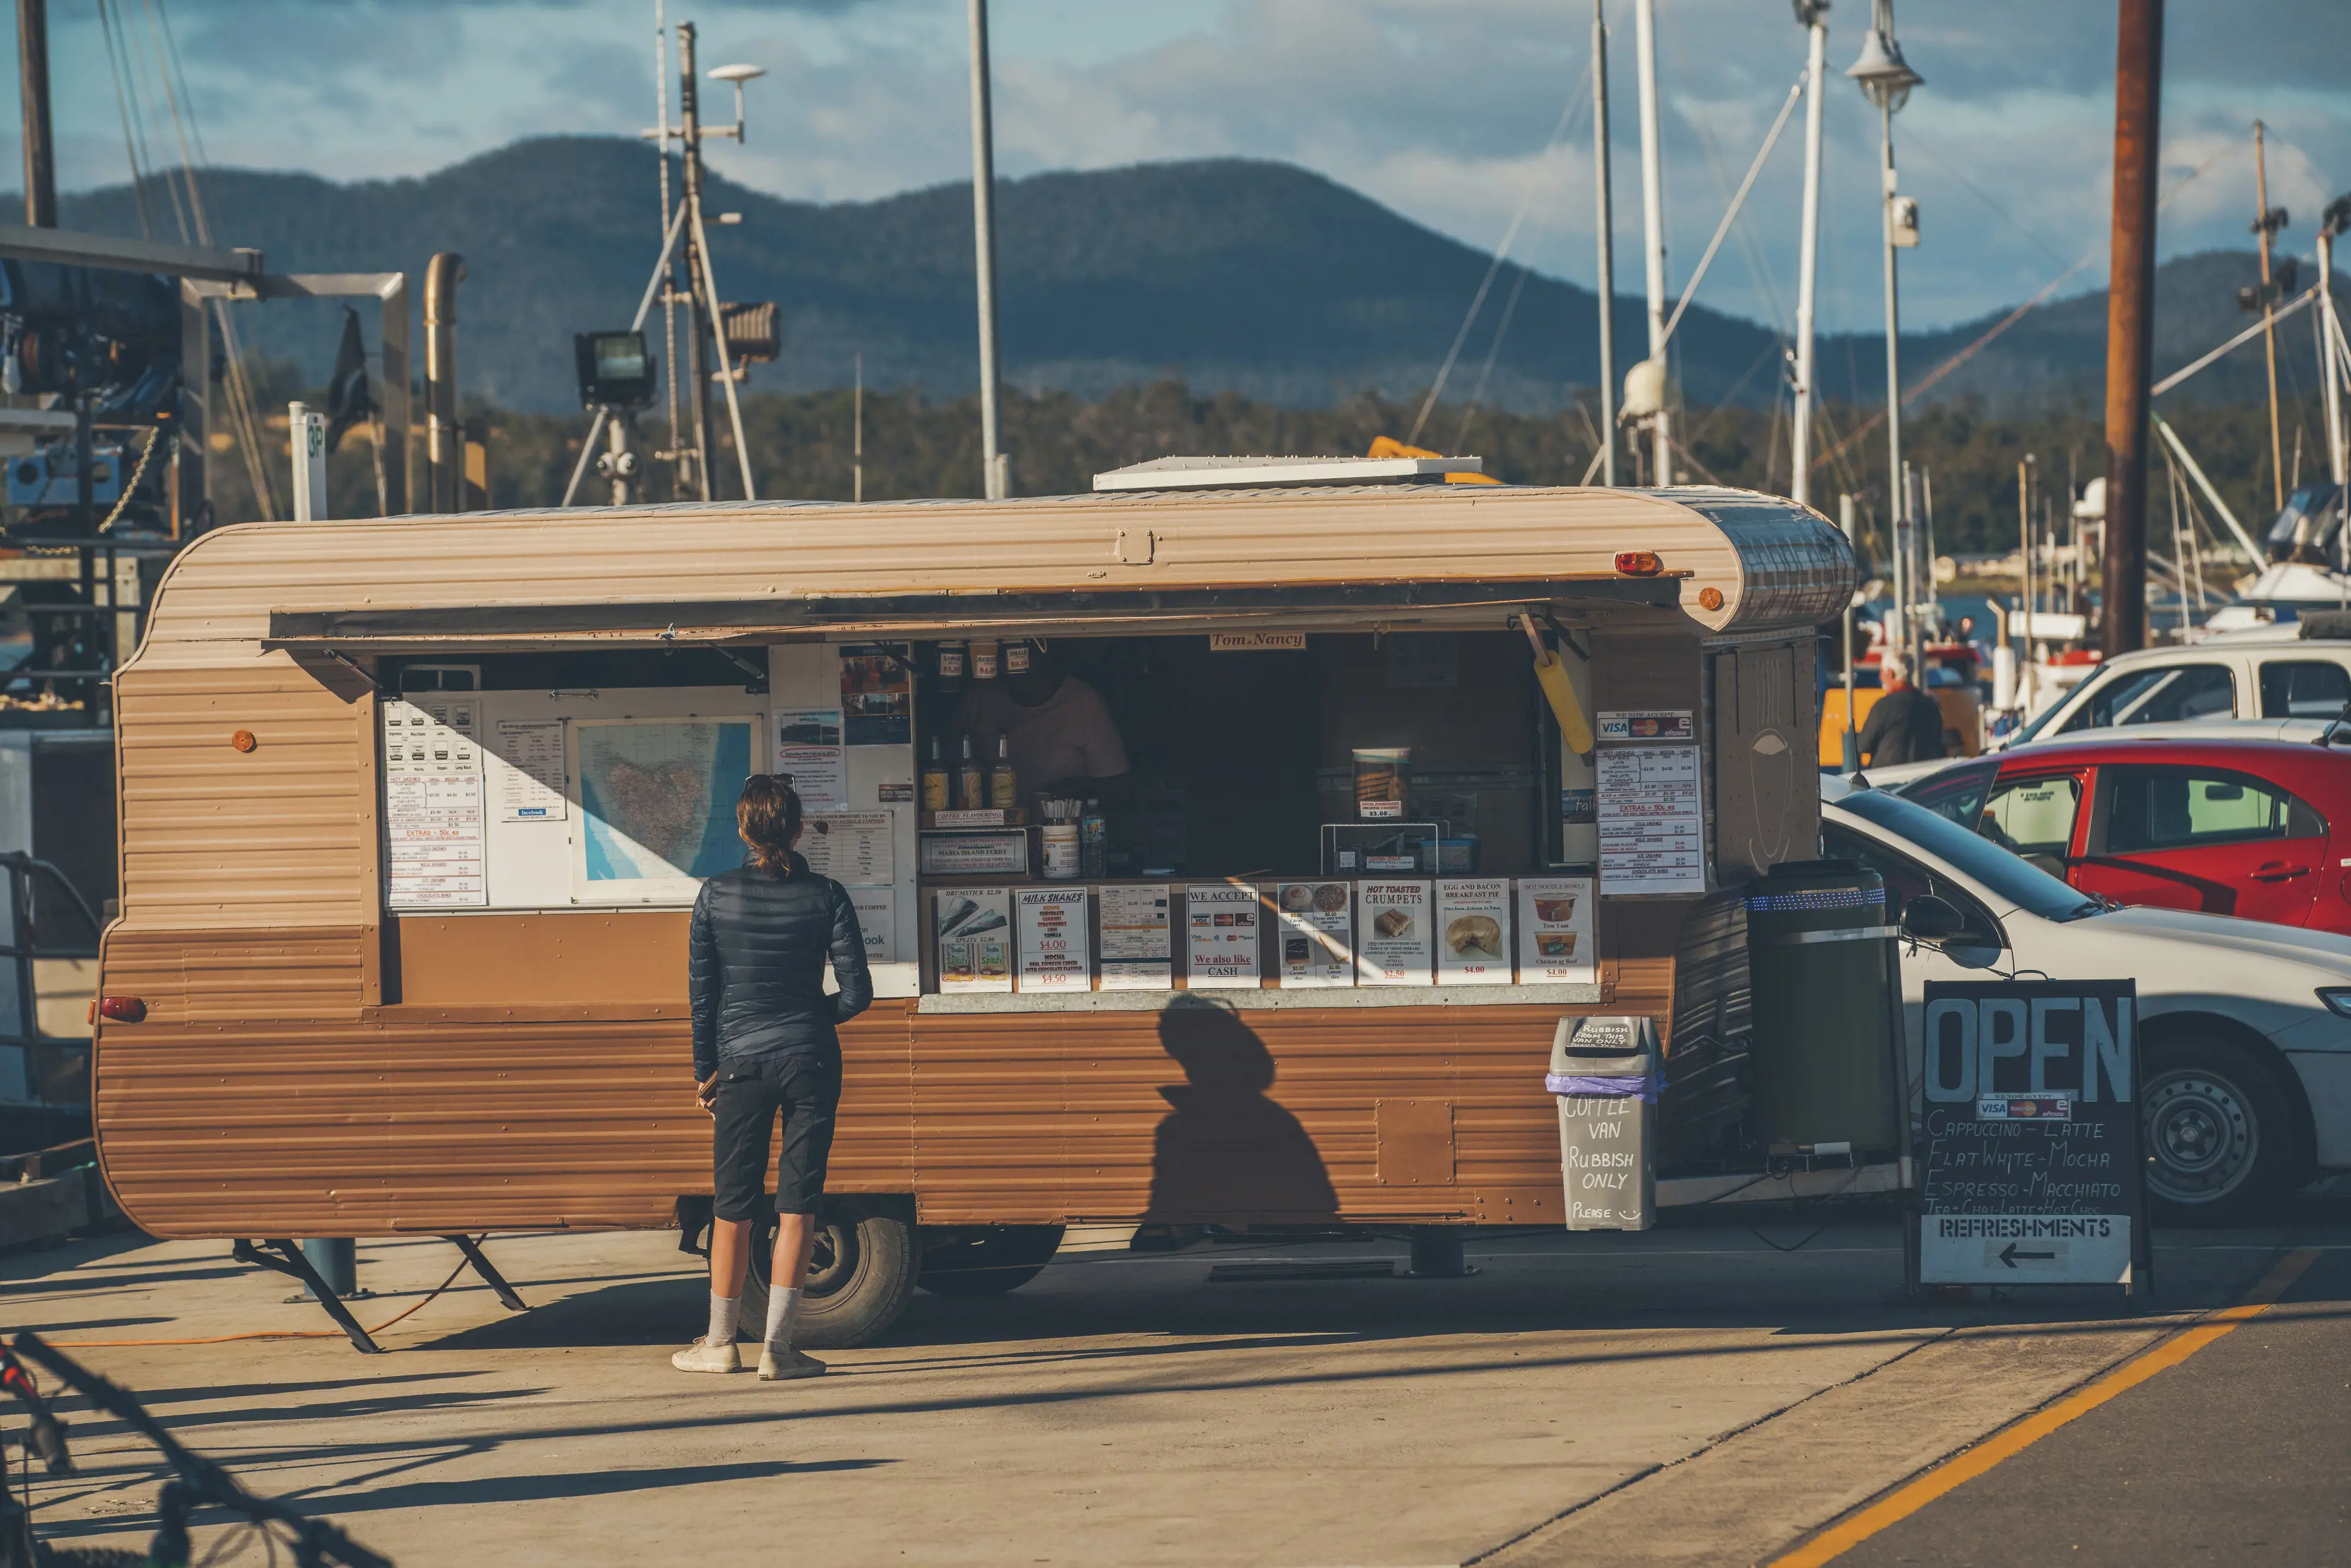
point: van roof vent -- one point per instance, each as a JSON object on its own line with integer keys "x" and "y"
{"x": 1195, "y": 473}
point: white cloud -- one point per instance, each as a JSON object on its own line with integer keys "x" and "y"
{"x": 1438, "y": 108}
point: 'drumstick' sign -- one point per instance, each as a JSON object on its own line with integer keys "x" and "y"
{"x": 2030, "y": 1165}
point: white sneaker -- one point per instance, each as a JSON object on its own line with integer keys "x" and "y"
{"x": 784, "y": 1368}
{"x": 703, "y": 1356}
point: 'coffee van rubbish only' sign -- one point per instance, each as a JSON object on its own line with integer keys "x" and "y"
{"x": 2031, "y": 1161}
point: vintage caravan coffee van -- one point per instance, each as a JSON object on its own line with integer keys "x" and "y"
{"x": 412, "y": 811}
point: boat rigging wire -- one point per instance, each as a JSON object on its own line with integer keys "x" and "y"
{"x": 2011, "y": 319}
{"x": 1501, "y": 255}
{"x": 2304, "y": 299}
{"x": 1730, "y": 216}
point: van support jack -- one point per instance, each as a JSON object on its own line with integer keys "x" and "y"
{"x": 286, "y": 1257}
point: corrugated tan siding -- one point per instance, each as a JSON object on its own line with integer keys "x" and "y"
{"x": 406, "y": 1120}
{"x": 283, "y": 836}
{"x": 1053, "y": 1116}
{"x": 223, "y": 588}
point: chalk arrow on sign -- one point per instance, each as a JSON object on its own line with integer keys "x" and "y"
{"x": 2009, "y": 1255}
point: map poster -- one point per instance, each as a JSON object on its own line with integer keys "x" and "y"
{"x": 1473, "y": 932}
{"x": 1556, "y": 944}
{"x": 2030, "y": 1171}
{"x": 877, "y": 693}
{"x": 807, "y": 752}
{"x": 974, "y": 928}
{"x": 1220, "y": 929}
{"x": 1135, "y": 948}
{"x": 1316, "y": 930}
{"x": 433, "y": 816}
{"x": 657, "y": 805}
{"x": 1393, "y": 945}
{"x": 528, "y": 765}
{"x": 1053, "y": 946}
{"x": 853, "y": 848}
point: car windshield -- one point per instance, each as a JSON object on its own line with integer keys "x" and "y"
{"x": 2027, "y": 887}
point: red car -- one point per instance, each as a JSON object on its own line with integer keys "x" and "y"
{"x": 2256, "y": 829}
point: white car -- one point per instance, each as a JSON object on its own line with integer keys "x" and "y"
{"x": 2244, "y": 1027}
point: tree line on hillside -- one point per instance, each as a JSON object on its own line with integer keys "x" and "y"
{"x": 803, "y": 448}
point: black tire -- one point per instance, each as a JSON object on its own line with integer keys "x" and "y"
{"x": 990, "y": 1262}
{"x": 862, "y": 1270}
{"x": 2219, "y": 1134}
{"x": 91, "y": 1557}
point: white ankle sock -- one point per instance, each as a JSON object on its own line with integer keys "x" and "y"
{"x": 725, "y": 1312}
{"x": 783, "y": 1306}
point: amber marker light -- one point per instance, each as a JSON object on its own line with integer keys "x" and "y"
{"x": 243, "y": 740}
{"x": 1639, "y": 563}
{"x": 122, "y": 1010}
{"x": 1709, "y": 599}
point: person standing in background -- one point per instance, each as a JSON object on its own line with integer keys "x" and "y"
{"x": 765, "y": 1049}
{"x": 1904, "y": 724}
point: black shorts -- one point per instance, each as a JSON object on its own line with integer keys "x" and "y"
{"x": 806, "y": 1088}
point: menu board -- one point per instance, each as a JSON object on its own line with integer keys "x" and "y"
{"x": 1652, "y": 822}
{"x": 1220, "y": 929}
{"x": 1134, "y": 942}
{"x": 1397, "y": 945}
{"x": 529, "y": 769}
{"x": 853, "y": 848}
{"x": 1473, "y": 933}
{"x": 2031, "y": 1168}
{"x": 974, "y": 937}
{"x": 1316, "y": 922}
{"x": 1053, "y": 951}
{"x": 1556, "y": 940}
{"x": 432, "y": 804}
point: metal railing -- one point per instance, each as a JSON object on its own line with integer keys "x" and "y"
{"x": 25, "y": 947}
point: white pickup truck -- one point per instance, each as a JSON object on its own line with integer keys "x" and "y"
{"x": 2271, "y": 682}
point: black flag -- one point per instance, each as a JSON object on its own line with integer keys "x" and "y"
{"x": 349, "y": 399}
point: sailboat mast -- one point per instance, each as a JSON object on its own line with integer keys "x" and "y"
{"x": 1605, "y": 195}
{"x": 1653, "y": 226}
{"x": 1799, "y": 435}
{"x": 2266, "y": 224}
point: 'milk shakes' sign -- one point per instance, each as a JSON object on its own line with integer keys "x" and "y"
{"x": 2031, "y": 1159}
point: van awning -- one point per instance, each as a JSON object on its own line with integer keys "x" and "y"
{"x": 523, "y": 628}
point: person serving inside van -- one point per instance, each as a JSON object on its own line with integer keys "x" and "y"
{"x": 1058, "y": 727}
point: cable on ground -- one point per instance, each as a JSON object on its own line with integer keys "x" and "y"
{"x": 269, "y": 1333}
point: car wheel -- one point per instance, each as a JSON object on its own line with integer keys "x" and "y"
{"x": 2215, "y": 1131}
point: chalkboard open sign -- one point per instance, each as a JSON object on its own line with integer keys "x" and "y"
{"x": 2029, "y": 1163}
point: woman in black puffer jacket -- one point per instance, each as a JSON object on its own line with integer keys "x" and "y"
{"x": 764, "y": 1047}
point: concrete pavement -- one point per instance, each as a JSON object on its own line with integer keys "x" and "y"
{"x": 1691, "y": 1395}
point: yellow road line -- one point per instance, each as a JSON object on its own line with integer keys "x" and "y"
{"x": 1842, "y": 1538}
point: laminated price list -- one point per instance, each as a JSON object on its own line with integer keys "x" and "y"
{"x": 1652, "y": 821}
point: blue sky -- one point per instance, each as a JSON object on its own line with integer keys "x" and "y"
{"x": 1442, "y": 109}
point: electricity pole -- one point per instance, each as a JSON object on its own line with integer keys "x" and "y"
{"x": 2130, "y": 317}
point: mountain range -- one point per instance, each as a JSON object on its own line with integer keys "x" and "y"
{"x": 1252, "y": 277}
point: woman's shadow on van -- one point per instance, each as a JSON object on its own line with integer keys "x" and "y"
{"x": 1226, "y": 1151}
